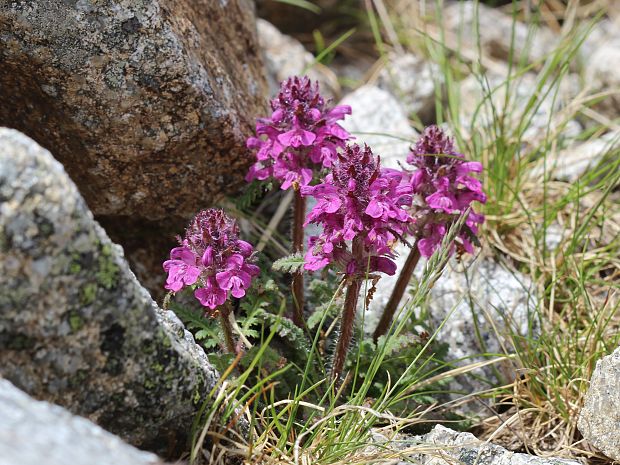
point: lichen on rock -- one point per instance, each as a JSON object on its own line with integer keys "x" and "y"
{"x": 76, "y": 328}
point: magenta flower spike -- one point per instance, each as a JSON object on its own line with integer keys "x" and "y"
{"x": 302, "y": 135}
{"x": 358, "y": 200}
{"x": 212, "y": 257}
{"x": 362, "y": 210}
{"x": 443, "y": 188}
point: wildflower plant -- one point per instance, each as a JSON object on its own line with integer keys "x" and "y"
{"x": 301, "y": 137}
{"x": 362, "y": 210}
{"x": 212, "y": 259}
{"x": 443, "y": 189}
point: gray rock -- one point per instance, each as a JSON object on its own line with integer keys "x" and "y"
{"x": 468, "y": 19}
{"x": 286, "y": 57}
{"x": 76, "y": 328}
{"x": 410, "y": 79}
{"x": 35, "y": 433}
{"x": 482, "y": 303}
{"x": 479, "y": 111}
{"x": 379, "y": 121}
{"x": 603, "y": 75}
{"x": 444, "y": 446}
{"x": 573, "y": 162}
{"x": 600, "y": 416}
{"x": 146, "y": 103}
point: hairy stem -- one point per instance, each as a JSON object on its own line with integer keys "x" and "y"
{"x": 298, "y": 247}
{"x": 346, "y": 326}
{"x": 397, "y": 293}
{"x": 227, "y": 328}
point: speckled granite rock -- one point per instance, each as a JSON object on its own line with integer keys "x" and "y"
{"x": 600, "y": 416}
{"x": 147, "y": 103}
{"x": 481, "y": 302}
{"x": 35, "y": 433}
{"x": 443, "y": 446}
{"x": 76, "y": 328}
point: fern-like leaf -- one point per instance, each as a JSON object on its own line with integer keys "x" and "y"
{"x": 291, "y": 264}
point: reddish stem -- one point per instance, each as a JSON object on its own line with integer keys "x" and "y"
{"x": 397, "y": 293}
{"x": 298, "y": 247}
{"x": 227, "y": 329}
{"x": 348, "y": 314}
{"x": 346, "y": 326}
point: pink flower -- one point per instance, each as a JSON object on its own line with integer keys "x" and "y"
{"x": 301, "y": 135}
{"x": 214, "y": 258}
{"x": 445, "y": 188}
{"x": 359, "y": 203}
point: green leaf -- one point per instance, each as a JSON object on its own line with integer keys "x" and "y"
{"x": 291, "y": 264}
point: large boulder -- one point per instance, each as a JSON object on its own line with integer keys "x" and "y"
{"x": 76, "y": 328}
{"x": 599, "y": 418}
{"x": 146, "y": 103}
{"x": 33, "y": 433}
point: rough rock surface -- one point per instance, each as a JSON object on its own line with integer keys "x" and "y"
{"x": 146, "y": 103}
{"x": 468, "y": 18}
{"x": 285, "y": 56}
{"x": 573, "y": 162}
{"x": 444, "y": 446}
{"x": 603, "y": 75}
{"x": 35, "y": 433}
{"x": 379, "y": 121}
{"x": 481, "y": 303}
{"x": 410, "y": 79}
{"x": 76, "y": 328}
{"x": 600, "y": 416}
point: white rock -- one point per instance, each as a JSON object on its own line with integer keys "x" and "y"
{"x": 35, "y": 433}
{"x": 410, "y": 79}
{"x": 495, "y": 29}
{"x": 603, "y": 74}
{"x": 286, "y": 57}
{"x": 600, "y": 416}
{"x": 379, "y": 121}
{"x": 572, "y": 163}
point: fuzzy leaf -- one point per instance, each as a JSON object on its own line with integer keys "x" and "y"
{"x": 291, "y": 264}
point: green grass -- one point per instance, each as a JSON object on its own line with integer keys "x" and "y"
{"x": 575, "y": 285}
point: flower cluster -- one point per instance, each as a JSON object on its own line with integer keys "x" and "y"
{"x": 443, "y": 189}
{"x": 358, "y": 202}
{"x": 212, "y": 256}
{"x": 302, "y": 134}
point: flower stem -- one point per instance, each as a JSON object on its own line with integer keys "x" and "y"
{"x": 346, "y": 326}
{"x": 397, "y": 293}
{"x": 298, "y": 247}
{"x": 227, "y": 328}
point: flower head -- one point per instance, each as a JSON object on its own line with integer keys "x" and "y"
{"x": 212, "y": 256}
{"x": 301, "y": 134}
{"x": 443, "y": 189}
{"x": 360, "y": 203}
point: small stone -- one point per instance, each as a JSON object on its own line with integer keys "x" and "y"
{"x": 76, "y": 328}
{"x": 35, "y": 433}
{"x": 409, "y": 78}
{"x": 443, "y": 446}
{"x": 573, "y": 162}
{"x": 467, "y": 19}
{"x": 603, "y": 75}
{"x": 599, "y": 418}
{"x": 286, "y": 57}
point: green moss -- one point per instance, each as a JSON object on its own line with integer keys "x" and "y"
{"x": 158, "y": 367}
{"x": 149, "y": 384}
{"x": 196, "y": 398}
{"x": 75, "y": 322}
{"x": 88, "y": 293}
{"x": 107, "y": 273}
